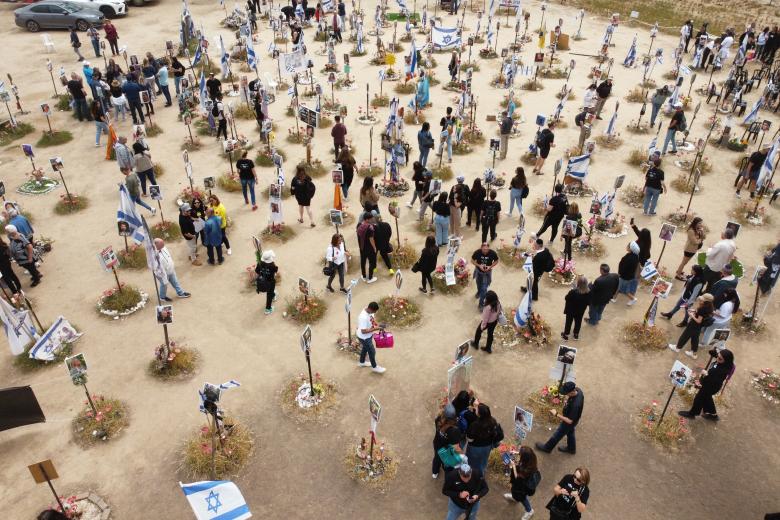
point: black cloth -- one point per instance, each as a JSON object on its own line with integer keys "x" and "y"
{"x": 654, "y": 177}
{"x": 245, "y": 167}
{"x": 576, "y": 303}
{"x": 427, "y": 261}
{"x": 490, "y": 210}
{"x": 463, "y": 193}
{"x": 545, "y": 140}
{"x": 186, "y": 225}
{"x": 756, "y": 161}
{"x": 566, "y": 502}
{"x": 214, "y": 87}
{"x": 448, "y": 437}
{"x": 19, "y": 407}
{"x": 713, "y": 381}
{"x": 628, "y": 266}
{"x": 302, "y": 190}
{"x": 604, "y": 288}
{"x": 604, "y": 90}
{"x": 441, "y": 208}
{"x": 485, "y": 259}
{"x": 558, "y": 204}
{"x": 678, "y": 120}
{"x": 454, "y": 485}
{"x": 768, "y": 278}
{"x": 419, "y": 181}
{"x": 382, "y": 234}
{"x": 543, "y": 262}
{"x": 579, "y": 119}
{"x": 690, "y": 284}
{"x": 644, "y": 245}
{"x": 76, "y": 89}
{"x": 482, "y": 434}
{"x": 521, "y": 486}
{"x": 573, "y": 407}
{"x": 476, "y": 198}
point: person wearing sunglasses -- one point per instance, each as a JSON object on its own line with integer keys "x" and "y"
{"x": 571, "y": 496}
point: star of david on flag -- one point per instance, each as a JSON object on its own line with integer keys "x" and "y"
{"x": 216, "y": 499}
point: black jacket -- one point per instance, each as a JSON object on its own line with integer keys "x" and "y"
{"x": 543, "y": 262}
{"x": 382, "y": 233}
{"x": 604, "y": 90}
{"x": 576, "y": 303}
{"x": 427, "y": 261}
{"x": 713, "y": 381}
{"x": 627, "y": 266}
{"x": 453, "y": 486}
{"x": 604, "y": 288}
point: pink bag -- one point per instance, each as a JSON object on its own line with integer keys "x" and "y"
{"x": 383, "y": 339}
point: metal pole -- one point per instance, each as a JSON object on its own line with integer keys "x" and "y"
{"x": 658, "y": 263}
{"x": 116, "y": 277}
{"x": 665, "y": 407}
{"x": 63, "y": 183}
{"x": 89, "y": 398}
{"x": 48, "y": 481}
{"x": 35, "y": 316}
{"x": 53, "y": 83}
{"x": 311, "y": 381}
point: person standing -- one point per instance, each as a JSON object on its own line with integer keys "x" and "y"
{"x": 144, "y": 167}
{"x": 99, "y": 116}
{"x": 447, "y": 125}
{"x": 418, "y": 178}
{"x": 577, "y": 300}
{"x": 441, "y": 219}
{"x": 94, "y": 37}
{"x": 571, "y": 496}
{"x": 187, "y": 227}
{"x": 518, "y": 190}
{"x": 266, "y": 278}
{"x": 132, "y": 91}
{"x": 341, "y": 8}
{"x": 694, "y": 239}
{"x": 214, "y": 87}
{"x": 693, "y": 286}
{"x": 125, "y": 158}
{"x": 676, "y": 124}
{"x": 221, "y": 212}
{"x": 367, "y": 245}
{"x": 504, "y": 131}
{"x": 383, "y": 233}
{"x": 602, "y": 291}
{"x": 133, "y": 185}
{"x": 425, "y": 142}
{"x": 178, "y": 73}
{"x": 711, "y": 382}
{"x": 112, "y": 36}
{"x": 459, "y": 197}
{"x": 603, "y": 91}
{"x": 524, "y": 478}
{"x": 720, "y": 254}
{"x": 426, "y": 264}
{"x": 336, "y": 256}
{"x": 544, "y": 141}
{"x": 366, "y": 326}
{"x": 725, "y": 306}
{"x": 79, "y": 95}
{"x": 490, "y": 215}
{"x": 476, "y": 201}
{"x": 347, "y": 162}
{"x": 484, "y": 260}
{"x": 218, "y": 112}
{"x": 657, "y": 101}
{"x": 168, "y": 271}
{"x": 453, "y": 67}
{"x": 465, "y": 489}
{"x": 644, "y": 240}
{"x": 627, "y": 270}
{"x": 21, "y": 223}
{"x": 369, "y": 197}
{"x": 213, "y": 236}
{"x": 447, "y": 435}
{"x": 303, "y": 189}
{"x": 699, "y": 318}
{"x": 162, "y": 81}
{"x": 248, "y": 178}
{"x": 556, "y": 210}
{"x": 490, "y": 316}
{"x": 727, "y": 281}
{"x": 569, "y": 417}
{"x": 654, "y": 187}
{"x": 483, "y": 434}
{"x": 75, "y": 43}
{"x": 339, "y": 135}
{"x": 752, "y": 171}
{"x": 7, "y": 272}
{"x": 428, "y": 194}
{"x": 542, "y": 262}
{"x": 21, "y": 250}
{"x": 574, "y": 216}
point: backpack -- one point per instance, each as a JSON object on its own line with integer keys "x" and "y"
{"x": 499, "y": 436}
{"x": 532, "y": 483}
{"x": 449, "y": 457}
{"x": 463, "y": 423}
{"x": 215, "y": 110}
{"x": 361, "y": 233}
{"x": 490, "y": 211}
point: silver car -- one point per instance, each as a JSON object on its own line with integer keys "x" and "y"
{"x": 52, "y": 14}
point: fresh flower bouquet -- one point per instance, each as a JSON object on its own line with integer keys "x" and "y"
{"x": 737, "y": 144}
{"x": 542, "y": 401}
{"x": 393, "y": 188}
{"x": 670, "y": 433}
{"x": 563, "y": 273}
{"x": 398, "y": 311}
{"x": 613, "y": 227}
{"x": 537, "y": 331}
{"x": 462, "y": 275}
{"x": 767, "y": 382}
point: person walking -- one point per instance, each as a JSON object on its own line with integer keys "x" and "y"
{"x": 369, "y": 197}
{"x": 101, "y": 122}
{"x": 544, "y": 141}
{"x": 654, "y": 187}
{"x": 187, "y": 226}
{"x": 76, "y": 88}
{"x": 124, "y": 156}
{"x": 168, "y": 270}
{"x": 426, "y": 264}
{"x": 7, "y": 271}
{"x": 447, "y": 125}
{"x": 711, "y": 381}
{"x": 491, "y": 313}
{"x": 676, "y": 124}
{"x": 265, "y": 282}
{"x": 179, "y": 70}
{"x": 248, "y": 177}
{"x": 453, "y": 67}
{"x": 425, "y": 143}
{"x": 419, "y": 180}
{"x": 627, "y": 270}
{"x": 303, "y": 189}
{"x": 94, "y": 38}
{"x": 336, "y": 255}
{"x": 752, "y": 170}
{"x": 603, "y": 92}
{"x": 518, "y": 190}
{"x": 542, "y": 262}
{"x": 656, "y": 102}
{"x": 347, "y": 162}
{"x": 75, "y": 43}
{"x": 163, "y": 80}
{"x": 144, "y": 167}
{"x": 21, "y": 250}
{"x": 465, "y": 488}
{"x": 383, "y": 233}
{"x": 569, "y": 417}
{"x": 483, "y": 435}
{"x": 133, "y": 185}
{"x": 339, "y": 135}
{"x": 699, "y": 318}
{"x": 441, "y": 219}
{"x": 571, "y": 496}
{"x": 718, "y": 256}
{"x": 112, "y": 36}
{"x": 577, "y": 300}
{"x": 428, "y": 195}
{"x": 214, "y": 87}
{"x": 694, "y": 239}
{"x": 367, "y": 246}
{"x": 366, "y": 326}
{"x": 221, "y": 212}
{"x": 474, "y": 205}
{"x": 484, "y": 260}
{"x": 504, "y": 131}
{"x": 490, "y": 215}
{"x": 213, "y": 236}
{"x": 218, "y": 113}
{"x": 572, "y": 228}
{"x": 694, "y": 284}
{"x": 602, "y": 291}
{"x": 556, "y": 210}
{"x": 524, "y": 478}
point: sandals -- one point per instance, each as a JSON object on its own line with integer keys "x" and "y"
{"x": 300, "y": 220}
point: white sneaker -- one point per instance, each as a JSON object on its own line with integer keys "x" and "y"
{"x": 509, "y": 497}
{"x": 507, "y": 214}
{"x": 154, "y": 211}
{"x": 409, "y": 205}
{"x": 434, "y": 475}
{"x": 364, "y": 364}
{"x": 528, "y": 515}
{"x": 378, "y": 369}
{"x": 691, "y": 355}
{"x": 229, "y": 251}
{"x": 613, "y": 300}
{"x": 673, "y": 347}
{"x": 372, "y": 280}
{"x": 631, "y": 302}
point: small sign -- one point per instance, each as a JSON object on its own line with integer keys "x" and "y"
{"x": 56, "y": 164}
{"x": 667, "y": 232}
{"x": 399, "y": 280}
{"x": 209, "y": 183}
{"x": 43, "y": 471}
{"x": 164, "y": 314}
{"x": 337, "y": 175}
{"x": 336, "y": 217}
{"x": 524, "y": 421}
{"x": 375, "y": 409}
{"x": 619, "y": 181}
{"x": 566, "y": 354}
{"x": 77, "y": 369}
{"x": 108, "y": 257}
{"x": 538, "y": 57}
{"x": 495, "y": 144}
{"x": 661, "y": 288}
{"x": 308, "y": 116}
{"x": 462, "y": 350}
{"x": 155, "y": 192}
{"x": 680, "y": 374}
{"x": 306, "y": 340}
{"x": 303, "y": 286}
{"x": 634, "y": 14}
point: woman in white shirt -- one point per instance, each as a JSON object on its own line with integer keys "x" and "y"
{"x": 589, "y": 101}
{"x": 336, "y": 257}
{"x": 729, "y": 304}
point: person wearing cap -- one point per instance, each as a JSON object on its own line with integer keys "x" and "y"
{"x": 366, "y": 326}
{"x": 465, "y": 489}
{"x": 22, "y": 251}
{"x": 569, "y": 417}
{"x": 187, "y": 226}
{"x": 677, "y": 123}
{"x": 603, "y": 91}
{"x": 213, "y": 236}
{"x": 447, "y": 434}
{"x": 266, "y": 271}
{"x": 168, "y": 270}
{"x": 752, "y": 171}
{"x": 627, "y": 269}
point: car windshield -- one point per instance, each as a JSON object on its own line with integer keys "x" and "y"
{"x": 71, "y": 8}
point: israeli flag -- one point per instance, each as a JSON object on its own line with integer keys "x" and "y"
{"x": 631, "y": 56}
{"x": 232, "y": 383}
{"x": 684, "y": 70}
{"x": 424, "y": 20}
{"x": 152, "y": 255}
{"x": 766, "y": 168}
{"x": 251, "y": 57}
{"x": 224, "y": 58}
{"x": 18, "y": 327}
{"x": 402, "y": 5}
{"x": 479, "y": 23}
{"x": 611, "y": 126}
{"x": 360, "y": 38}
{"x": 651, "y": 148}
{"x": 659, "y": 56}
{"x": 561, "y": 103}
{"x": 198, "y": 55}
{"x": 490, "y": 32}
{"x": 299, "y": 11}
{"x": 52, "y": 342}
{"x": 327, "y": 6}
{"x": 203, "y": 92}
{"x": 610, "y": 207}
{"x": 381, "y": 75}
{"x": 577, "y": 166}
{"x": 675, "y": 97}
{"x": 528, "y": 265}
{"x": 492, "y": 8}
{"x": 444, "y": 37}
{"x": 291, "y": 91}
{"x": 413, "y": 58}
{"x": 753, "y": 115}
{"x": 523, "y": 312}
{"x": 408, "y": 27}
{"x": 652, "y": 312}
{"x": 648, "y": 271}
{"x": 127, "y": 212}
{"x": 216, "y": 499}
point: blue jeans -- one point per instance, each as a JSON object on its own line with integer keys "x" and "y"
{"x": 515, "y": 197}
{"x": 174, "y": 282}
{"x": 96, "y": 47}
{"x": 654, "y": 113}
{"x": 595, "y": 312}
{"x": 527, "y": 505}
{"x": 177, "y": 84}
{"x": 677, "y": 307}
{"x": 454, "y": 512}
{"x": 248, "y": 184}
{"x": 120, "y": 109}
{"x": 442, "y": 225}
{"x": 166, "y": 93}
{"x": 670, "y": 139}
{"x": 483, "y": 280}
{"x": 563, "y": 430}
{"x": 367, "y": 347}
{"x": 345, "y": 190}
{"x": 146, "y": 176}
{"x": 138, "y": 201}
{"x": 449, "y": 147}
{"x": 478, "y": 456}
{"x": 100, "y": 128}
{"x": 424, "y": 155}
{"x": 651, "y": 199}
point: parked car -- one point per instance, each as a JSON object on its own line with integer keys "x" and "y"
{"x": 109, "y": 8}
{"x": 53, "y": 14}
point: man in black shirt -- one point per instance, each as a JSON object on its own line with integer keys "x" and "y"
{"x": 383, "y": 232}
{"x": 753, "y": 170}
{"x": 654, "y": 187}
{"x": 484, "y": 260}
{"x": 464, "y": 488}
{"x": 248, "y": 177}
{"x": 602, "y": 290}
{"x": 214, "y": 86}
{"x": 188, "y": 232}
{"x": 505, "y": 129}
{"x": 556, "y": 210}
{"x": 491, "y": 212}
{"x": 569, "y": 417}
{"x": 543, "y": 262}
{"x": 544, "y": 141}
{"x": 603, "y": 91}
{"x": 76, "y": 89}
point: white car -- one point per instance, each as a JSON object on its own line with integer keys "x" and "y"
{"x": 109, "y": 8}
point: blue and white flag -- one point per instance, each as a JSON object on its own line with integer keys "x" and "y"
{"x": 561, "y": 104}
{"x": 527, "y": 70}
{"x": 479, "y": 23}
{"x": 652, "y": 312}
{"x": 413, "y": 58}
{"x": 766, "y": 168}
{"x": 631, "y": 56}
{"x": 18, "y": 327}
{"x": 490, "y": 32}
{"x": 60, "y": 333}
{"x": 299, "y": 11}
{"x": 492, "y": 8}
{"x": 224, "y": 59}
{"x": 648, "y": 271}
{"x": 610, "y": 131}
{"x": 528, "y": 265}
{"x": 359, "y": 45}
{"x": 523, "y": 312}
{"x": 577, "y": 166}
{"x": 127, "y": 213}
{"x": 684, "y": 70}
{"x": 659, "y": 56}
{"x": 251, "y": 57}
{"x": 653, "y": 146}
{"x": 229, "y": 384}
{"x": 424, "y": 20}
{"x": 675, "y": 97}
{"x": 153, "y": 261}
{"x": 328, "y": 6}
{"x": 198, "y": 55}
{"x": 216, "y": 500}
{"x": 610, "y": 207}
{"x": 381, "y": 75}
{"x": 408, "y": 27}
{"x": 444, "y": 37}
{"x": 753, "y": 115}
{"x": 402, "y": 5}
{"x": 391, "y": 118}
{"x": 203, "y": 91}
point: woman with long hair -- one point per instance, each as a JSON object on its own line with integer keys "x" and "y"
{"x": 144, "y": 167}
{"x": 699, "y": 318}
{"x": 101, "y": 121}
{"x": 427, "y": 263}
{"x": 221, "y": 212}
{"x": 577, "y": 300}
{"x": 441, "y": 219}
{"x": 725, "y": 306}
{"x": 524, "y": 477}
{"x": 336, "y": 256}
{"x": 347, "y": 162}
{"x": 369, "y": 197}
{"x": 302, "y": 188}
{"x": 644, "y": 241}
{"x": 477, "y": 196}
{"x": 572, "y": 215}
{"x": 447, "y": 434}
{"x": 711, "y": 382}
{"x": 490, "y": 313}
{"x": 694, "y": 239}
{"x": 571, "y": 496}
{"x": 518, "y": 190}
{"x": 482, "y": 434}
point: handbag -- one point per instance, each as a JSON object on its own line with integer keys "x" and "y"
{"x": 383, "y": 339}
{"x": 501, "y": 316}
{"x": 416, "y": 267}
{"x": 329, "y": 269}
{"x": 449, "y": 457}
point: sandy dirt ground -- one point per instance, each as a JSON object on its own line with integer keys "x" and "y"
{"x": 298, "y": 471}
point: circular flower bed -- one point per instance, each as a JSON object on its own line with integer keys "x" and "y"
{"x": 497, "y": 471}
{"x": 766, "y": 383}
{"x": 462, "y": 273}
{"x": 111, "y": 418}
{"x": 643, "y": 337}
{"x": 511, "y": 256}
{"x": 443, "y": 172}
{"x": 610, "y": 142}
{"x": 538, "y": 332}
{"x": 374, "y": 470}
{"x": 177, "y": 362}
{"x": 488, "y": 54}
{"x": 346, "y": 216}
{"x": 743, "y": 213}
{"x": 27, "y": 364}
{"x": 55, "y": 138}
{"x": 279, "y": 233}
{"x": 410, "y": 118}
{"x": 232, "y": 451}
{"x": 736, "y": 144}
{"x": 67, "y": 205}
{"x": 390, "y": 188}
{"x": 134, "y": 257}
{"x": 229, "y": 182}
{"x": 188, "y": 194}
{"x": 681, "y": 184}
{"x": 405, "y": 256}
{"x": 591, "y": 248}
{"x": 398, "y": 312}
{"x": 532, "y": 85}
{"x": 298, "y": 403}
{"x": 306, "y": 310}
{"x": 345, "y": 345}
{"x": 612, "y": 228}
{"x": 670, "y": 434}
{"x": 314, "y": 169}
{"x": 115, "y": 303}
{"x": 380, "y": 101}
{"x": 84, "y": 506}
{"x": 462, "y": 148}
{"x": 743, "y": 325}
{"x": 542, "y": 401}
{"x": 168, "y": 231}
{"x": 365, "y": 171}
{"x": 563, "y": 273}
{"x": 38, "y": 186}
{"x": 265, "y": 157}
{"x": 405, "y": 88}
{"x": 632, "y": 195}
